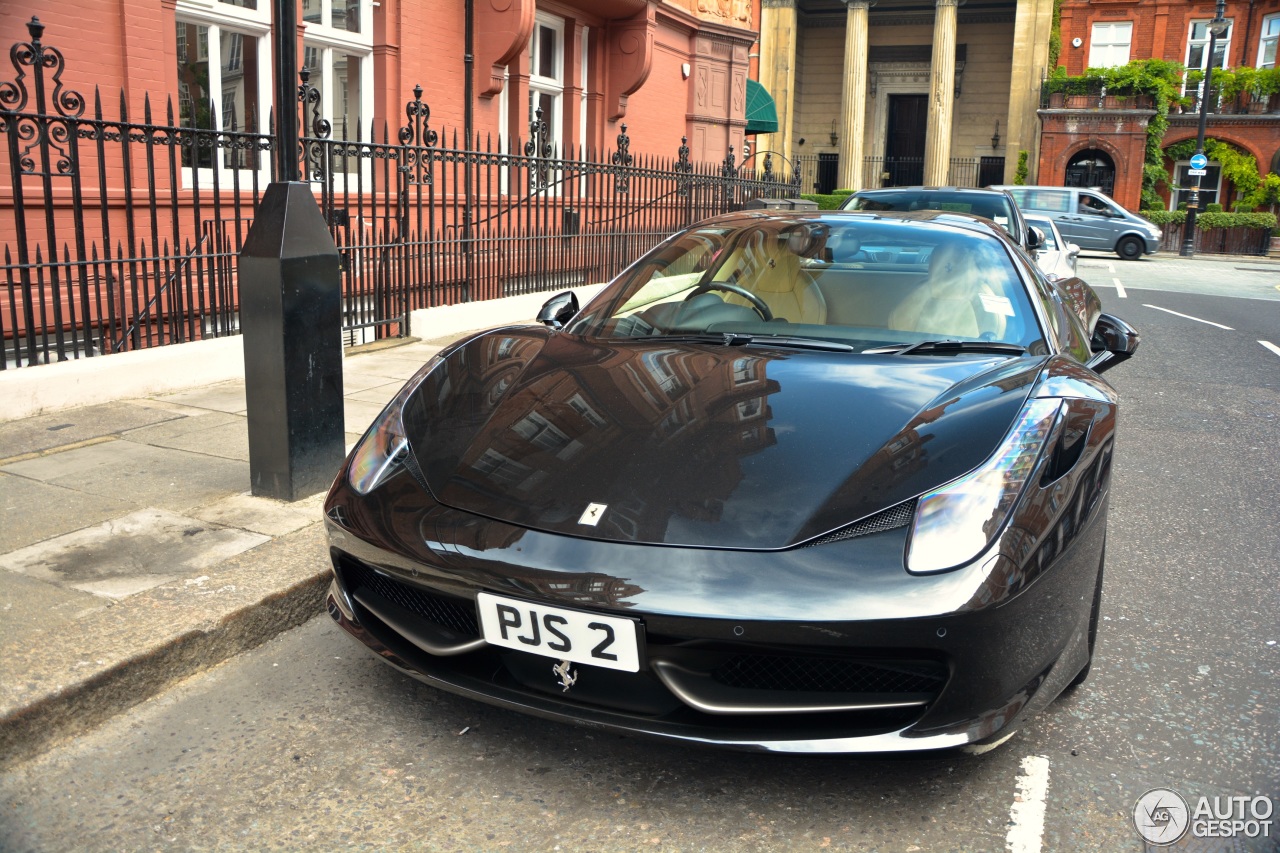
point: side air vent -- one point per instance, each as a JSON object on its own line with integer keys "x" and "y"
{"x": 893, "y": 517}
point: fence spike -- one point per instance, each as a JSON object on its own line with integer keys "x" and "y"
{"x": 97, "y": 103}
{"x": 146, "y": 108}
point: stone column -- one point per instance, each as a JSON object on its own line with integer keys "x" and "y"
{"x": 853, "y": 100}
{"x": 937, "y": 143}
{"x": 778, "y": 24}
{"x": 1030, "y": 62}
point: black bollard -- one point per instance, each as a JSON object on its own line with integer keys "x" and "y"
{"x": 291, "y": 319}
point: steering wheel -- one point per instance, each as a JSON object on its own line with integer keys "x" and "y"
{"x": 756, "y": 302}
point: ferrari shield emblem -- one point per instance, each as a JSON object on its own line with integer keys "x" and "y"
{"x": 591, "y": 517}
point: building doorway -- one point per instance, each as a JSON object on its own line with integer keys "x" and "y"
{"x": 908, "y": 120}
{"x": 828, "y": 173}
{"x": 1091, "y": 168}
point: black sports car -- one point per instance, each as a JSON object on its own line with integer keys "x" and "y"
{"x": 828, "y": 482}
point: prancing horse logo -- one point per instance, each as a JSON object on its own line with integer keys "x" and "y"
{"x": 591, "y": 516}
{"x": 567, "y": 678}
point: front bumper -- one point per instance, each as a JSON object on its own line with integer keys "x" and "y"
{"x": 905, "y": 662}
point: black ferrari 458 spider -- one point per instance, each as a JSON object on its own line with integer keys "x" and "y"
{"x": 829, "y": 482}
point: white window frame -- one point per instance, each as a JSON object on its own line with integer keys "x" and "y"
{"x": 327, "y": 41}
{"x": 582, "y": 86}
{"x": 215, "y": 18}
{"x": 553, "y": 86}
{"x": 1105, "y": 41}
{"x": 1180, "y": 176}
{"x": 1223, "y": 44}
{"x": 1270, "y": 35}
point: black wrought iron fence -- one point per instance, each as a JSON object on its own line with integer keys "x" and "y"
{"x": 119, "y": 235}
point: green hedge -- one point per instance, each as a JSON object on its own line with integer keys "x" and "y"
{"x": 828, "y": 202}
{"x": 1206, "y": 221}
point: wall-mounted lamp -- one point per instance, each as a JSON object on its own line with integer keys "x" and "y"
{"x": 800, "y": 141}
{"x": 995, "y": 137}
{"x": 835, "y": 140}
{"x": 685, "y": 70}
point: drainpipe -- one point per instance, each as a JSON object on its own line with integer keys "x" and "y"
{"x": 1248, "y": 37}
{"x": 468, "y": 127}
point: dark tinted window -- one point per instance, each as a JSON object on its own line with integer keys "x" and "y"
{"x": 993, "y": 206}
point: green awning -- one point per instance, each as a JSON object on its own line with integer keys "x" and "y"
{"x": 762, "y": 113}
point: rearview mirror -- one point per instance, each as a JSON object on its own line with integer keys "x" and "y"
{"x": 1113, "y": 341}
{"x": 558, "y": 310}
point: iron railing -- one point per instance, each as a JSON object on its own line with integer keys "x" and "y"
{"x": 118, "y": 235}
{"x": 1218, "y": 241}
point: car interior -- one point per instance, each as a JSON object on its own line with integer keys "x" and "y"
{"x": 839, "y": 284}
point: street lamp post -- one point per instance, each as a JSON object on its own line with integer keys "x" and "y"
{"x": 1217, "y": 27}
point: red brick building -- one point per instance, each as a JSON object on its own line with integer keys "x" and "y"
{"x": 667, "y": 68}
{"x": 1102, "y": 146}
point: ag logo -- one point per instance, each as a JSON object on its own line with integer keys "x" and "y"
{"x": 1161, "y": 816}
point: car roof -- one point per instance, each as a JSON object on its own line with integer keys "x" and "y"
{"x": 983, "y": 190}
{"x": 925, "y": 218}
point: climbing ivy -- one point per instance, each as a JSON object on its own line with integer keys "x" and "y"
{"x": 1055, "y": 35}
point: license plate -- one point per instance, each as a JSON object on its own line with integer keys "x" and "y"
{"x": 608, "y": 641}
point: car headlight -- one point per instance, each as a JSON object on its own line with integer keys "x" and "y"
{"x": 1155, "y": 231}
{"x": 955, "y": 522}
{"x": 381, "y": 452}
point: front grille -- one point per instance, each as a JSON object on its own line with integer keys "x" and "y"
{"x": 889, "y": 519}
{"x": 441, "y": 611}
{"x": 829, "y": 675}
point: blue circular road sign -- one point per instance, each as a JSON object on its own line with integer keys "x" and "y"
{"x": 1199, "y": 161}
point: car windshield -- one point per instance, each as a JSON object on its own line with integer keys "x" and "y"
{"x": 856, "y": 280}
{"x": 992, "y": 205}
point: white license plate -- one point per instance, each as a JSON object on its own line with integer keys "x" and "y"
{"x": 589, "y": 638}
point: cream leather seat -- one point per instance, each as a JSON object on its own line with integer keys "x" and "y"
{"x": 771, "y": 268}
{"x": 950, "y": 302}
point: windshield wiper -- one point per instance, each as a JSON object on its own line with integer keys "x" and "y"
{"x": 950, "y": 346}
{"x": 737, "y": 339}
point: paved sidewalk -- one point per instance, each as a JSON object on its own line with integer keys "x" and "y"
{"x": 132, "y": 554}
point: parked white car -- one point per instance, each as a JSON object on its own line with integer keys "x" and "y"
{"x": 1056, "y": 258}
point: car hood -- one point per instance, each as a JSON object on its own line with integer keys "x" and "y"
{"x": 702, "y": 445}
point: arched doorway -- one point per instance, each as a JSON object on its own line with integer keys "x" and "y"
{"x": 1092, "y": 168}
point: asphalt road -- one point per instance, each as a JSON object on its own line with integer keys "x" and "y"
{"x": 308, "y": 742}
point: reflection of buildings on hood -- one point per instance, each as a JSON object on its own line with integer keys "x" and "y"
{"x": 555, "y": 426}
{"x": 587, "y": 588}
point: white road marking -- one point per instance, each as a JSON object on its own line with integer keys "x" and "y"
{"x": 1188, "y": 317}
{"x": 1275, "y": 349}
{"x": 1026, "y": 818}
{"x": 1111, "y": 268}
{"x": 1120, "y": 289}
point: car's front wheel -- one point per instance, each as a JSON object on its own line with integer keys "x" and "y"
{"x": 1129, "y": 248}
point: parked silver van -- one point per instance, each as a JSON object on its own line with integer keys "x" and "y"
{"x": 1090, "y": 219}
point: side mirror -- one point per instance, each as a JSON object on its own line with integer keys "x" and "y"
{"x": 1072, "y": 250}
{"x": 1113, "y": 341}
{"x": 1035, "y": 238}
{"x": 558, "y": 310}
